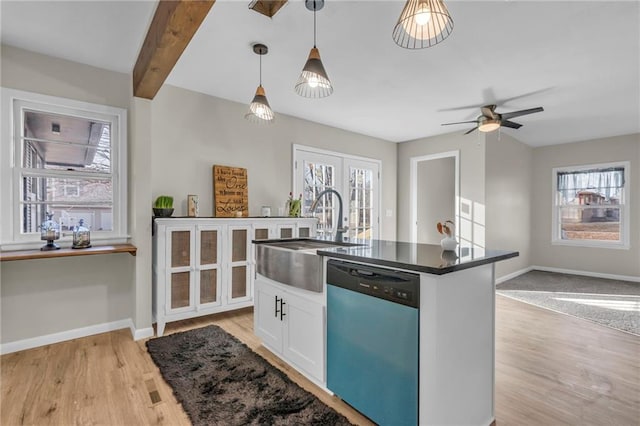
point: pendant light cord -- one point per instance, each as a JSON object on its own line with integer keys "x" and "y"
{"x": 314, "y": 23}
{"x": 260, "y": 69}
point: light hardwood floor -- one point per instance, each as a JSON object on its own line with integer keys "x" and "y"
{"x": 551, "y": 369}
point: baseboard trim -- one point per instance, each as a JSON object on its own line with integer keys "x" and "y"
{"x": 139, "y": 334}
{"x": 514, "y": 274}
{"x": 586, "y": 273}
{"x": 48, "y": 339}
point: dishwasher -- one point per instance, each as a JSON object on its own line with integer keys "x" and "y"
{"x": 372, "y": 340}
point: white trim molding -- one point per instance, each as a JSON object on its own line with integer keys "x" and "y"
{"x": 143, "y": 333}
{"x": 413, "y": 189}
{"x": 77, "y": 333}
{"x": 625, "y": 210}
{"x": 587, "y": 273}
{"x": 514, "y": 274}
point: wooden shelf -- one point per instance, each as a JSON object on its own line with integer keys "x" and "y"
{"x": 66, "y": 252}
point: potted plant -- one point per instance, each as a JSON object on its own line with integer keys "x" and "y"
{"x": 163, "y": 206}
{"x": 447, "y": 228}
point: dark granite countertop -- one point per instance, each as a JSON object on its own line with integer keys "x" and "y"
{"x": 426, "y": 258}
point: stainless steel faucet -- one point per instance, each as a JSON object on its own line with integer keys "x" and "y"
{"x": 340, "y": 230}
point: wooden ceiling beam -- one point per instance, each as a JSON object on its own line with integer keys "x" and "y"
{"x": 267, "y": 7}
{"x": 172, "y": 28}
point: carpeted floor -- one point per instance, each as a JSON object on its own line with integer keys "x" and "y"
{"x": 220, "y": 381}
{"x": 612, "y": 303}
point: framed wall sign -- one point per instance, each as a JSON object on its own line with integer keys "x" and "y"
{"x": 230, "y": 192}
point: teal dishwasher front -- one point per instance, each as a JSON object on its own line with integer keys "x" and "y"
{"x": 372, "y": 340}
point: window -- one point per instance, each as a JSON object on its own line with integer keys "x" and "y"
{"x": 355, "y": 178}
{"x": 62, "y": 157}
{"x": 591, "y": 205}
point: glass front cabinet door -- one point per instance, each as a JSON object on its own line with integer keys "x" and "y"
{"x": 239, "y": 243}
{"x": 180, "y": 249}
{"x": 208, "y": 271}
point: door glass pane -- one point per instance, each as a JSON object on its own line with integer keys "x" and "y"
{"x": 208, "y": 287}
{"x": 180, "y": 255}
{"x": 180, "y": 290}
{"x": 360, "y": 203}
{"x": 208, "y": 247}
{"x": 239, "y": 245}
{"x": 317, "y": 178}
{"x": 238, "y": 282}
{"x": 262, "y": 234}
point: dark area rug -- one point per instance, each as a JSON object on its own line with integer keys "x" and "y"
{"x": 612, "y": 303}
{"x": 220, "y": 381}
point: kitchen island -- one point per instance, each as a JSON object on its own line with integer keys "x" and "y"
{"x": 403, "y": 332}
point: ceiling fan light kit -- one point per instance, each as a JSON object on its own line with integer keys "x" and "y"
{"x": 488, "y": 124}
{"x": 314, "y": 81}
{"x": 260, "y": 111}
{"x": 490, "y": 120}
{"x": 422, "y": 23}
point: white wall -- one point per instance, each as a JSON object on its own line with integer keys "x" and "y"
{"x": 436, "y": 197}
{"x": 40, "y": 297}
{"x": 472, "y": 171}
{"x": 590, "y": 259}
{"x": 508, "y": 183}
{"x": 173, "y": 143}
{"x": 191, "y": 132}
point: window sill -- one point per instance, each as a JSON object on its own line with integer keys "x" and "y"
{"x": 6, "y": 256}
{"x": 590, "y": 244}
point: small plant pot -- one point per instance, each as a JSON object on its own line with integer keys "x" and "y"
{"x": 162, "y": 212}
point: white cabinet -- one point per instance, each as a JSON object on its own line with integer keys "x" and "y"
{"x": 284, "y": 228}
{"x": 290, "y": 323}
{"x": 206, "y": 265}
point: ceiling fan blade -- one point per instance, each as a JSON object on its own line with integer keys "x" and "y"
{"x": 512, "y": 124}
{"x": 488, "y": 111}
{"x": 459, "y": 122}
{"x": 469, "y": 131}
{"x": 508, "y": 115}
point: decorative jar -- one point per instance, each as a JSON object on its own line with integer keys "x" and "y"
{"x": 81, "y": 236}
{"x": 49, "y": 232}
{"x": 448, "y": 243}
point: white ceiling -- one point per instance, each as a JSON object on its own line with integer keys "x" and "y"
{"x": 580, "y": 60}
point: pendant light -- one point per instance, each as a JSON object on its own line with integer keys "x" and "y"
{"x": 422, "y": 23}
{"x": 259, "y": 109}
{"x": 313, "y": 81}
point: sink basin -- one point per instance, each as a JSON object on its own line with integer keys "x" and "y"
{"x": 294, "y": 262}
{"x": 306, "y": 244}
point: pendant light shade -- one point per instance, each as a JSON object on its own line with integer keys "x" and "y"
{"x": 259, "y": 110}
{"x": 314, "y": 81}
{"x": 422, "y": 23}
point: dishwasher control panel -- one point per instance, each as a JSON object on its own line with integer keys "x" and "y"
{"x": 395, "y": 286}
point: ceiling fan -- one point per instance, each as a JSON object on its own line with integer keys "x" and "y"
{"x": 490, "y": 120}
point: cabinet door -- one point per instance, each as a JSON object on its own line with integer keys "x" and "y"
{"x": 267, "y": 318}
{"x": 303, "y": 340}
{"x": 239, "y": 288}
{"x": 179, "y": 272}
{"x": 262, "y": 232}
{"x": 208, "y": 255}
{"x": 286, "y": 230}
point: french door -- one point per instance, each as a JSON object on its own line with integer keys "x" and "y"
{"x": 355, "y": 179}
